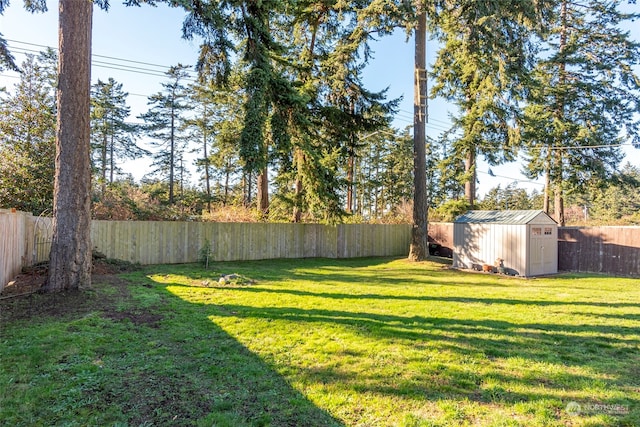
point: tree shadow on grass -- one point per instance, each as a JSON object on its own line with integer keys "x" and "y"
{"x": 471, "y": 300}
{"x": 588, "y": 354}
{"x": 214, "y": 372}
{"x": 552, "y": 360}
{"x": 140, "y": 355}
{"x": 606, "y": 352}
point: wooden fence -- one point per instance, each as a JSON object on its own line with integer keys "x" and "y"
{"x": 12, "y": 244}
{"x": 610, "y": 250}
{"x": 156, "y": 242}
{"x": 152, "y": 242}
{"x": 25, "y": 240}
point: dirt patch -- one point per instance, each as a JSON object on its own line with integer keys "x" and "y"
{"x": 35, "y": 306}
{"x": 20, "y": 299}
{"x": 138, "y": 319}
{"x": 32, "y": 278}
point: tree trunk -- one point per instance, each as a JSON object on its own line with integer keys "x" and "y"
{"x": 470, "y": 184}
{"x": 297, "y": 211}
{"x": 418, "y": 250}
{"x": 350, "y": 182}
{"x": 247, "y": 190}
{"x": 207, "y": 178}
{"x": 263, "y": 191}
{"x": 70, "y": 259}
{"x": 111, "y": 161}
{"x": 298, "y": 158}
{"x": 104, "y": 163}
{"x": 172, "y": 151}
{"x": 547, "y": 183}
{"x": 558, "y": 206}
{"x": 227, "y": 177}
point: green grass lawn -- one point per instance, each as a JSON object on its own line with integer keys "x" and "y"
{"x": 365, "y": 342}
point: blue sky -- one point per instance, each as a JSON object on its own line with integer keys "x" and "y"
{"x": 151, "y": 36}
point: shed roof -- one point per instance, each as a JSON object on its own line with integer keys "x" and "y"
{"x": 503, "y": 217}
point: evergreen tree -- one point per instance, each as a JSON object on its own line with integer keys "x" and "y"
{"x": 224, "y": 157}
{"x": 510, "y": 197}
{"x": 294, "y": 54}
{"x": 27, "y": 140}
{"x": 113, "y": 139}
{"x": 331, "y": 109}
{"x": 481, "y": 67}
{"x": 164, "y": 125}
{"x": 384, "y": 174}
{"x": 446, "y": 170}
{"x": 585, "y": 100}
{"x": 7, "y": 61}
{"x": 616, "y": 200}
{"x": 201, "y": 128}
{"x": 70, "y": 259}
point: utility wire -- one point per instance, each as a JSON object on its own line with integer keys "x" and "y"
{"x": 491, "y": 174}
{"x": 163, "y": 67}
{"x": 109, "y": 65}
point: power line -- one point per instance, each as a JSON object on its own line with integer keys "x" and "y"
{"x": 582, "y": 147}
{"x": 164, "y": 67}
{"x": 111, "y": 65}
{"x": 9, "y": 76}
{"x": 491, "y": 174}
{"x": 410, "y": 113}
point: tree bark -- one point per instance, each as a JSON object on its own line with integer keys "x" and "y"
{"x": 104, "y": 163}
{"x": 297, "y": 210}
{"x": 418, "y": 250}
{"x": 470, "y": 184}
{"x": 207, "y": 163}
{"x": 172, "y": 148}
{"x": 70, "y": 259}
{"x": 547, "y": 183}
{"x": 111, "y": 150}
{"x": 297, "y": 197}
{"x": 350, "y": 182}
{"x": 263, "y": 191}
{"x": 558, "y": 207}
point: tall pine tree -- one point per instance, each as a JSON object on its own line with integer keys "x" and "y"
{"x": 113, "y": 139}
{"x": 164, "y": 125}
{"x": 27, "y": 139}
{"x": 585, "y": 100}
{"x": 482, "y": 68}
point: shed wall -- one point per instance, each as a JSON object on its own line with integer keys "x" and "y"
{"x": 477, "y": 244}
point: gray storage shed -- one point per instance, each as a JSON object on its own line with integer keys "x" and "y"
{"x": 526, "y": 241}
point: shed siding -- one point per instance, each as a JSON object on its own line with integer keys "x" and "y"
{"x": 482, "y": 242}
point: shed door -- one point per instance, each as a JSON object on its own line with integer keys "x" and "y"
{"x": 542, "y": 250}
